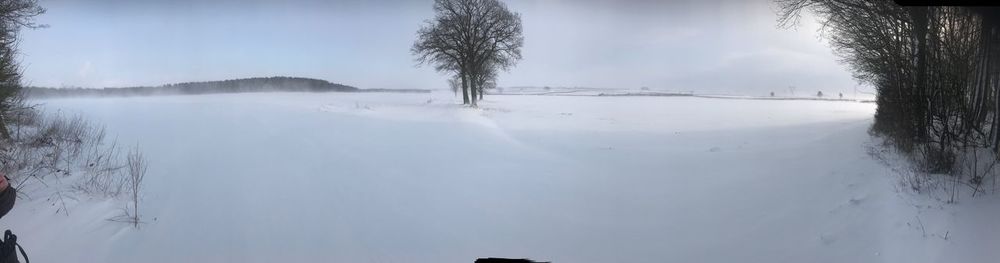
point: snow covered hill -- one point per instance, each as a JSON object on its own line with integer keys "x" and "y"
{"x": 373, "y": 177}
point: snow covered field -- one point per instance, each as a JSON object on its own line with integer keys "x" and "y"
{"x": 380, "y": 177}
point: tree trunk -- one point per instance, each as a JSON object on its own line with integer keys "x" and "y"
{"x": 993, "y": 82}
{"x": 472, "y": 92}
{"x": 4, "y": 133}
{"x": 465, "y": 88}
{"x": 481, "y": 92}
{"x": 920, "y": 21}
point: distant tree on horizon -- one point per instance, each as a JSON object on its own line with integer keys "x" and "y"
{"x": 472, "y": 39}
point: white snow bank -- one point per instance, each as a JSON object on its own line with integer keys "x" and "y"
{"x": 278, "y": 177}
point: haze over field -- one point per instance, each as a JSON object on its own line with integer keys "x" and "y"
{"x": 719, "y": 46}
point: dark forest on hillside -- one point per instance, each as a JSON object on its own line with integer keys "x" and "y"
{"x": 270, "y": 84}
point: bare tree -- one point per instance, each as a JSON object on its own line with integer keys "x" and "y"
{"x": 136, "y": 171}
{"x": 455, "y": 83}
{"x": 471, "y": 38}
{"x": 484, "y": 77}
{"x": 14, "y": 15}
{"x": 936, "y": 71}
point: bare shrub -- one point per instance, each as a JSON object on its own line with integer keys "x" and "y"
{"x": 136, "y": 173}
{"x": 60, "y": 146}
{"x": 973, "y": 170}
{"x": 102, "y": 166}
{"x": 977, "y": 169}
{"x": 910, "y": 177}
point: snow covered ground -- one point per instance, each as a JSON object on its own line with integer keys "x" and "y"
{"x": 381, "y": 177}
{"x": 582, "y": 91}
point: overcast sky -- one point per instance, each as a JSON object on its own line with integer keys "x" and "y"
{"x": 708, "y": 46}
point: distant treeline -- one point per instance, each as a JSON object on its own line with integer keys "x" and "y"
{"x": 395, "y": 90}
{"x": 269, "y": 84}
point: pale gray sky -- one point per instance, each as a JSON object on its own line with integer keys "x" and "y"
{"x": 724, "y": 46}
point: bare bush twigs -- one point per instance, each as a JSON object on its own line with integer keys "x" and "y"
{"x": 136, "y": 173}
{"x": 45, "y": 148}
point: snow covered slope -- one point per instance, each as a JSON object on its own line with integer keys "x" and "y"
{"x": 282, "y": 177}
